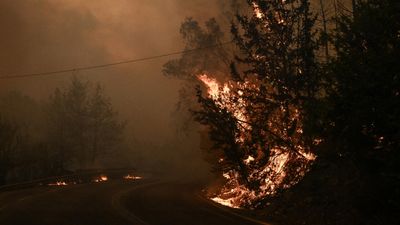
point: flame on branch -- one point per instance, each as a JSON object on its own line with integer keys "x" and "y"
{"x": 222, "y": 96}
{"x": 267, "y": 166}
{"x": 257, "y": 11}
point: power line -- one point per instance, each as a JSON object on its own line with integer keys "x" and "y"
{"x": 55, "y": 72}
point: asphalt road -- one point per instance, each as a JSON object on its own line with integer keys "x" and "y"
{"x": 118, "y": 202}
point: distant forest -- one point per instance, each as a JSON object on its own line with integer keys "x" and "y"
{"x": 74, "y": 129}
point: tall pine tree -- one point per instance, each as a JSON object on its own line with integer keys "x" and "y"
{"x": 261, "y": 119}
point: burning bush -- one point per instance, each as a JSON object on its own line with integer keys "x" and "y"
{"x": 254, "y": 165}
{"x": 257, "y": 118}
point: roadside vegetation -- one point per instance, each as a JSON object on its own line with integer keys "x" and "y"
{"x": 303, "y": 120}
{"x": 76, "y": 128}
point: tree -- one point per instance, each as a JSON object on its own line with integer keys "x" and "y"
{"x": 8, "y": 147}
{"x": 25, "y": 112}
{"x": 22, "y": 118}
{"x": 264, "y": 107}
{"x": 83, "y": 124}
{"x": 105, "y": 130}
{"x": 365, "y": 85}
{"x": 212, "y": 58}
{"x": 68, "y": 128}
{"x": 58, "y": 125}
{"x": 363, "y": 122}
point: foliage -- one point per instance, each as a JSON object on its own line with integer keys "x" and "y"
{"x": 363, "y": 116}
{"x": 355, "y": 178}
{"x": 260, "y": 120}
{"x": 213, "y": 57}
{"x": 74, "y": 130}
{"x": 25, "y": 112}
{"x": 28, "y": 157}
{"x": 210, "y": 58}
{"x": 8, "y": 146}
{"x": 365, "y": 74}
{"x": 82, "y": 124}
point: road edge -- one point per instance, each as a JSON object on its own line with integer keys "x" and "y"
{"x": 229, "y": 210}
{"x": 123, "y": 211}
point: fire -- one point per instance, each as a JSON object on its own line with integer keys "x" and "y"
{"x": 257, "y": 11}
{"x": 58, "y": 183}
{"x": 222, "y": 95}
{"x": 249, "y": 160}
{"x": 225, "y": 202}
{"x": 272, "y": 175}
{"x": 132, "y": 177}
{"x": 212, "y": 84}
{"x": 101, "y": 178}
{"x": 260, "y": 15}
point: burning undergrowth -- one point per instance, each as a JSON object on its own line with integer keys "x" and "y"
{"x": 59, "y": 183}
{"x": 132, "y": 177}
{"x": 92, "y": 178}
{"x": 258, "y": 156}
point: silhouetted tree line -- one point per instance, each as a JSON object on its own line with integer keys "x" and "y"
{"x": 73, "y": 130}
{"x": 346, "y": 102}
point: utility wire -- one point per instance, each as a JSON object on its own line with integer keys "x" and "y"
{"x": 55, "y": 72}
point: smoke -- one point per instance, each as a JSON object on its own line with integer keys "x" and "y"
{"x": 46, "y": 35}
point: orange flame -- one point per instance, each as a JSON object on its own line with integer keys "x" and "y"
{"x": 58, "y": 183}
{"x": 132, "y": 177}
{"x": 272, "y": 175}
{"x": 101, "y": 178}
{"x": 222, "y": 95}
{"x": 257, "y": 11}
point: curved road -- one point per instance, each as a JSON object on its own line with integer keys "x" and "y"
{"x": 118, "y": 202}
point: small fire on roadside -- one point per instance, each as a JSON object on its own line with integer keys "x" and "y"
{"x": 58, "y": 183}
{"x": 102, "y": 178}
{"x": 132, "y": 177}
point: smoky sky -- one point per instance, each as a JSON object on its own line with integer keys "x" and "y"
{"x": 45, "y": 35}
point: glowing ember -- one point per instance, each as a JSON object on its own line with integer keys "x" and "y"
{"x": 257, "y": 11}
{"x": 249, "y": 160}
{"x": 132, "y": 177}
{"x": 102, "y": 178}
{"x": 225, "y": 202}
{"x": 58, "y": 183}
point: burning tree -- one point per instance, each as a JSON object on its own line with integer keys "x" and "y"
{"x": 208, "y": 59}
{"x": 258, "y": 120}
{"x": 211, "y": 57}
